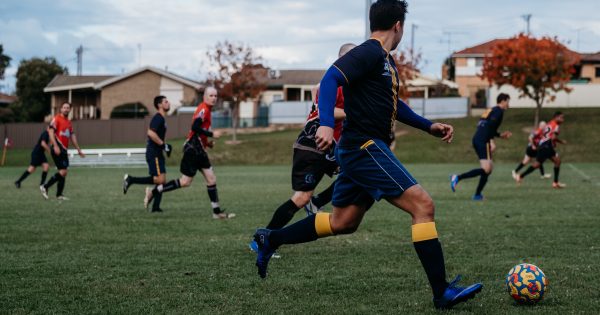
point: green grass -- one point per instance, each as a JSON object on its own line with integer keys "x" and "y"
{"x": 414, "y": 146}
{"x": 102, "y": 253}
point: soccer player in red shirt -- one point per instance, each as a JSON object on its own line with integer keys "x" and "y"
{"x": 532, "y": 150}
{"x": 60, "y": 132}
{"x": 547, "y": 150}
{"x": 195, "y": 157}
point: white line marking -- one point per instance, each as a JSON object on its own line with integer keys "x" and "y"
{"x": 582, "y": 174}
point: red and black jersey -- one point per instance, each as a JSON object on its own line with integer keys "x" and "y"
{"x": 537, "y": 136}
{"x": 202, "y": 112}
{"x": 62, "y": 130}
{"x": 339, "y": 103}
{"x": 550, "y": 133}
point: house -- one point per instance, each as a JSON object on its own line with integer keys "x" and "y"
{"x": 127, "y": 95}
{"x": 6, "y": 100}
{"x": 290, "y": 85}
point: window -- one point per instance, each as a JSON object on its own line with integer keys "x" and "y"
{"x": 597, "y": 72}
{"x": 293, "y": 94}
{"x": 479, "y": 62}
{"x": 307, "y": 96}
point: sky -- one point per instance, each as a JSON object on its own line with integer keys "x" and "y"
{"x": 121, "y": 35}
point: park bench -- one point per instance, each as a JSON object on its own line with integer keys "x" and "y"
{"x": 108, "y": 157}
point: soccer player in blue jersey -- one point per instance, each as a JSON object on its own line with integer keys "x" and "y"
{"x": 369, "y": 170}
{"x": 483, "y": 143}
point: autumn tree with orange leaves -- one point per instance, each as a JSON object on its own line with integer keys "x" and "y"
{"x": 238, "y": 76}
{"x": 538, "y": 68}
{"x": 407, "y": 62}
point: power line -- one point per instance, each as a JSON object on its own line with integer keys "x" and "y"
{"x": 527, "y": 18}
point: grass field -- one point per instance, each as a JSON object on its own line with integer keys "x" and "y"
{"x": 101, "y": 252}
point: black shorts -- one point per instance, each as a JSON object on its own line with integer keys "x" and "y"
{"x": 308, "y": 169}
{"x": 156, "y": 164}
{"x": 194, "y": 159}
{"x": 38, "y": 158}
{"x": 483, "y": 150}
{"x": 62, "y": 160}
{"x": 545, "y": 152}
{"x": 531, "y": 152}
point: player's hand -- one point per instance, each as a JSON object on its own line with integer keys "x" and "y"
{"x": 324, "y": 137}
{"x": 168, "y": 149}
{"x": 506, "y": 135}
{"x": 56, "y": 151}
{"x": 217, "y": 134}
{"x": 81, "y": 154}
{"x": 444, "y": 131}
{"x": 210, "y": 144}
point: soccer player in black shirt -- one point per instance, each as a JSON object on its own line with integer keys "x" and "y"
{"x": 369, "y": 170}
{"x": 155, "y": 145}
{"x": 38, "y": 157}
{"x": 483, "y": 143}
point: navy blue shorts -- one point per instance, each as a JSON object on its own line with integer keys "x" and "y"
{"x": 156, "y": 165}
{"x": 545, "y": 152}
{"x": 37, "y": 159}
{"x": 368, "y": 173}
{"x": 483, "y": 150}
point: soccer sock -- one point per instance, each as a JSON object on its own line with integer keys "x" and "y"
{"x": 141, "y": 180}
{"x": 528, "y": 171}
{"x": 44, "y": 175}
{"x": 60, "y": 186}
{"x": 213, "y": 195}
{"x": 542, "y": 169}
{"x": 308, "y": 229}
{"x": 22, "y": 178}
{"x": 156, "y": 201}
{"x": 429, "y": 250}
{"x": 52, "y": 180}
{"x": 472, "y": 173}
{"x": 556, "y": 171}
{"x": 519, "y": 167}
{"x": 323, "y": 197}
{"x": 283, "y": 215}
{"x": 482, "y": 181}
{"x": 172, "y": 185}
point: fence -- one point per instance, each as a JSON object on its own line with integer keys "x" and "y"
{"x": 582, "y": 95}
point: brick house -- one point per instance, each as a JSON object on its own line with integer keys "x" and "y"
{"x": 100, "y": 97}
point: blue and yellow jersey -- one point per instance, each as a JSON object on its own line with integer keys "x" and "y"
{"x": 487, "y": 127}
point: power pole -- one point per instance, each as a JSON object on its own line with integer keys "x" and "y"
{"x": 367, "y": 26}
{"x": 139, "y": 46}
{"x": 412, "y": 38}
{"x": 527, "y": 18}
{"x": 79, "y": 53}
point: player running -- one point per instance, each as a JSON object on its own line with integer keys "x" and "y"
{"x": 38, "y": 158}
{"x": 195, "y": 157}
{"x": 310, "y": 165}
{"x": 547, "y": 150}
{"x": 483, "y": 143}
{"x": 531, "y": 151}
{"x": 59, "y": 134}
{"x": 155, "y": 145}
{"x": 369, "y": 170}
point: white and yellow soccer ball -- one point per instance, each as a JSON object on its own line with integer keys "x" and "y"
{"x": 526, "y": 283}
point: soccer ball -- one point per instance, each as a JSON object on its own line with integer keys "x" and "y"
{"x": 526, "y": 283}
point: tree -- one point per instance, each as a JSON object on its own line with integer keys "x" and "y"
{"x": 239, "y": 76}
{"x": 4, "y": 62}
{"x": 32, "y": 77}
{"x": 538, "y": 68}
{"x": 407, "y": 63}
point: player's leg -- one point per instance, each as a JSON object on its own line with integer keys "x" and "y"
{"x": 45, "y": 167}
{"x": 483, "y": 151}
{"x": 557, "y": 162}
{"x": 25, "y": 174}
{"x": 286, "y": 211}
{"x": 487, "y": 166}
{"x": 60, "y": 187}
{"x": 213, "y": 194}
{"x": 324, "y": 197}
{"x": 61, "y": 162}
{"x": 542, "y": 155}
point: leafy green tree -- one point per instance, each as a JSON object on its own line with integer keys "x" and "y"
{"x": 4, "y": 62}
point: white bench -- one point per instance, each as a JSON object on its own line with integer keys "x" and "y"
{"x": 108, "y": 157}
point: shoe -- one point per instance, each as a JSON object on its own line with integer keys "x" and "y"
{"x": 156, "y": 210}
{"x": 254, "y": 247}
{"x": 455, "y": 294}
{"x": 311, "y": 208}
{"x": 478, "y": 197}
{"x": 546, "y": 176}
{"x": 453, "y": 182}
{"x": 18, "y": 185}
{"x": 265, "y": 252}
{"x": 558, "y": 185}
{"x": 514, "y": 174}
{"x": 62, "y": 198}
{"x": 223, "y": 215}
{"x": 148, "y": 197}
{"x": 44, "y": 192}
{"x": 126, "y": 183}
{"x": 518, "y": 179}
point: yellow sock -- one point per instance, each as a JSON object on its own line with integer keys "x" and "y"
{"x": 322, "y": 225}
{"x": 423, "y": 232}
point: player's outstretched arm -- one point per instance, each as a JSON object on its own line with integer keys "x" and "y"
{"x": 444, "y": 131}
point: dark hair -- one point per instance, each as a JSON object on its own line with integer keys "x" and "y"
{"x": 502, "y": 97}
{"x": 158, "y": 100}
{"x": 383, "y": 14}
{"x": 63, "y": 103}
{"x": 556, "y": 114}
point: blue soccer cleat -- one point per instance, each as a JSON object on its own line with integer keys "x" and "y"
{"x": 265, "y": 251}
{"x": 253, "y": 246}
{"x": 453, "y": 182}
{"x": 478, "y": 197}
{"x": 455, "y": 294}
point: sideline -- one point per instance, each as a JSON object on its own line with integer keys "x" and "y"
{"x": 582, "y": 174}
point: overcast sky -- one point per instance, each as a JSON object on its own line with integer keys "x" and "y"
{"x": 300, "y": 34}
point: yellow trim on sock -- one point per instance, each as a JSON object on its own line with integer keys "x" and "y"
{"x": 322, "y": 225}
{"x": 424, "y": 232}
{"x": 366, "y": 144}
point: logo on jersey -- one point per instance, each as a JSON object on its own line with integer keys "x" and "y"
{"x": 310, "y": 178}
{"x": 386, "y": 70}
{"x": 65, "y": 133}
